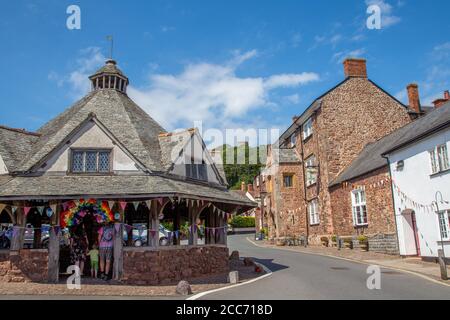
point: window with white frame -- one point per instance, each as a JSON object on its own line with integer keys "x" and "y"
{"x": 307, "y": 129}
{"x": 444, "y": 224}
{"x": 439, "y": 159}
{"x": 288, "y": 180}
{"x": 359, "y": 207}
{"x": 311, "y": 171}
{"x": 293, "y": 139}
{"x": 91, "y": 161}
{"x": 313, "y": 212}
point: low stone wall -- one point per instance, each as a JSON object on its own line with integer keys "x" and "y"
{"x": 384, "y": 243}
{"x": 24, "y": 266}
{"x": 168, "y": 265}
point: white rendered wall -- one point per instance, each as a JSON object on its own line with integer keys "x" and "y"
{"x": 91, "y": 136}
{"x": 416, "y": 182}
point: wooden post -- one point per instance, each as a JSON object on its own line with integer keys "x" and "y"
{"x": 19, "y": 231}
{"x": 154, "y": 212}
{"x": 193, "y": 235}
{"x": 118, "y": 251}
{"x": 53, "y": 248}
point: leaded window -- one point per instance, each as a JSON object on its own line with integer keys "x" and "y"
{"x": 91, "y": 161}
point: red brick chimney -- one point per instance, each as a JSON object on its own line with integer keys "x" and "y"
{"x": 439, "y": 102}
{"x": 243, "y": 186}
{"x": 354, "y": 67}
{"x": 413, "y": 97}
{"x": 250, "y": 187}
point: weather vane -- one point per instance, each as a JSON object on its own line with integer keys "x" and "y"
{"x": 110, "y": 38}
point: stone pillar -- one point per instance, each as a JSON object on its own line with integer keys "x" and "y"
{"x": 118, "y": 251}
{"x": 53, "y": 247}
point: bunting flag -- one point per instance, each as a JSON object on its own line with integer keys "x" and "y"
{"x": 2, "y": 207}
{"x": 117, "y": 227}
{"x": 14, "y": 209}
{"x": 41, "y": 210}
{"x": 136, "y": 205}
{"x": 149, "y": 204}
{"x": 53, "y": 207}
{"x": 26, "y": 210}
{"x": 57, "y": 229}
{"x": 128, "y": 228}
{"x": 111, "y": 204}
{"x": 123, "y": 204}
{"x": 65, "y": 205}
{"x": 160, "y": 201}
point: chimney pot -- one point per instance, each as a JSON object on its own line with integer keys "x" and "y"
{"x": 439, "y": 102}
{"x": 242, "y": 186}
{"x": 413, "y": 97}
{"x": 354, "y": 67}
{"x": 250, "y": 187}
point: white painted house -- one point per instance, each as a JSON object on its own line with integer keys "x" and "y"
{"x": 420, "y": 168}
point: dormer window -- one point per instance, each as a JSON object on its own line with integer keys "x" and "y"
{"x": 197, "y": 171}
{"x": 91, "y": 161}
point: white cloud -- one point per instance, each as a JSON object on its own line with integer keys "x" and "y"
{"x": 90, "y": 59}
{"x": 387, "y": 16}
{"x": 339, "y": 57}
{"x": 207, "y": 92}
{"x": 212, "y": 93}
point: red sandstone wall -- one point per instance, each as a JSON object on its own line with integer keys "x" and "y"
{"x": 168, "y": 266}
{"x": 26, "y": 266}
{"x": 380, "y": 211}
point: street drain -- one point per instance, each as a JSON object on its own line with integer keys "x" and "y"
{"x": 339, "y": 268}
{"x": 390, "y": 272}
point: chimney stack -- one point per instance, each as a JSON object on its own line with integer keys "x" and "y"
{"x": 413, "y": 97}
{"x": 354, "y": 67}
{"x": 439, "y": 102}
{"x": 243, "y": 186}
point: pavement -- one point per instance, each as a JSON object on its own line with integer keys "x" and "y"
{"x": 298, "y": 275}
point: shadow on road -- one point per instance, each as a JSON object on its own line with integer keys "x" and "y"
{"x": 274, "y": 267}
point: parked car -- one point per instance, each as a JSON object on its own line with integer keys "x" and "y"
{"x": 6, "y": 235}
{"x": 230, "y": 229}
{"x": 140, "y": 236}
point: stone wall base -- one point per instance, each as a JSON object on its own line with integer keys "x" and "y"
{"x": 145, "y": 266}
{"x": 24, "y": 266}
{"x": 384, "y": 243}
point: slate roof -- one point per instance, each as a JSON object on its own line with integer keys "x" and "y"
{"x": 132, "y": 127}
{"x": 15, "y": 145}
{"x": 288, "y": 156}
{"x": 371, "y": 158}
{"x": 81, "y": 186}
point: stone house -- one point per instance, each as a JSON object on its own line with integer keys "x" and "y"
{"x": 304, "y": 165}
{"x": 106, "y": 161}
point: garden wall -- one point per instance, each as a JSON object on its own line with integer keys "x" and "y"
{"x": 24, "y": 266}
{"x": 168, "y": 265}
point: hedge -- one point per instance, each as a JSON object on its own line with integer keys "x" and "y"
{"x": 242, "y": 222}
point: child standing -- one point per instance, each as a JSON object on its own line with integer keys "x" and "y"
{"x": 93, "y": 254}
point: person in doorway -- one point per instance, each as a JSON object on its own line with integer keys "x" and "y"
{"x": 93, "y": 255}
{"x": 105, "y": 240}
{"x": 78, "y": 247}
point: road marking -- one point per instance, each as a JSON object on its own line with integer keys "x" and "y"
{"x": 355, "y": 261}
{"x": 266, "y": 269}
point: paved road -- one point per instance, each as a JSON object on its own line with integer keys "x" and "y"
{"x": 305, "y": 276}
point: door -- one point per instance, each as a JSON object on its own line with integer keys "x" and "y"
{"x": 416, "y": 232}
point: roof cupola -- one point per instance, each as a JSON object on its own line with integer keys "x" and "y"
{"x": 109, "y": 77}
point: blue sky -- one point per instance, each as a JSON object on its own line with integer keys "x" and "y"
{"x": 249, "y": 64}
